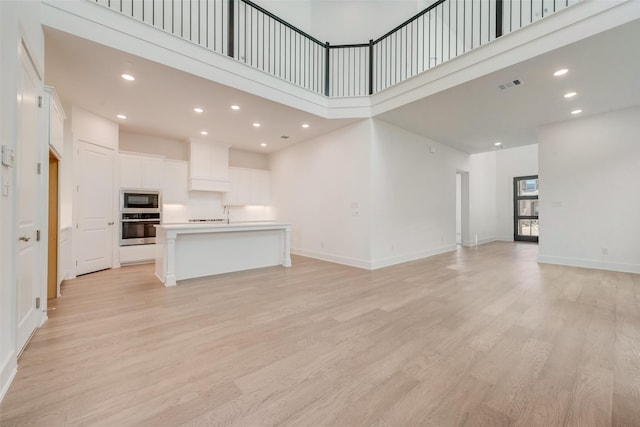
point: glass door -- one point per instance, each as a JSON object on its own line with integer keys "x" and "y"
{"x": 525, "y": 208}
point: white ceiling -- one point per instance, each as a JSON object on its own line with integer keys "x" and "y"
{"x": 160, "y": 101}
{"x": 604, "y": 70}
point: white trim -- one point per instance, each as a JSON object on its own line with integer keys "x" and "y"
{"x": 373, "y": 265}
{"x": 504, "y": 238}
{"x": 478, "y": 242}
{"x": 352, "y": 262}
{"x": 590, "y": 263}
{"x": 8, "y": 373}
{"x": 387, "y": 262}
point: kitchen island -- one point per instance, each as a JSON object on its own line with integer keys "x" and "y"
{"x": 185, "y": 251}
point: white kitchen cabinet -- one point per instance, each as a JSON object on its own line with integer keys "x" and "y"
{"x": 137, "y": 254}
{"x": 176, "y": 177}
{"x": 208, "y": 166}
{"x": 249, "y": 187}
{"x": 55, "y": 113}
{"x": 140, "y": 171}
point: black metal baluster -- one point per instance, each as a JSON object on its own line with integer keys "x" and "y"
{"x": 230, "y": 29}
{"x": 520, "y": 14}
{"x": 498, "y": 18}
{"x": 429, "y": 39}
{"x": 326, "y": 69}
{"x": 449, "y": 26}
{"x": 440, "y": 58}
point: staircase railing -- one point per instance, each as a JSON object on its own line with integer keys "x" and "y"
{"x": 249, "y": 33}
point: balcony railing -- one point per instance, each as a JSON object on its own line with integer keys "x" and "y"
{"x": 252, "y": 35}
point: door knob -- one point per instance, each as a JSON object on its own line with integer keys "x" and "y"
{"x": 24, "y": 238}
{"x": 110, "y": 223}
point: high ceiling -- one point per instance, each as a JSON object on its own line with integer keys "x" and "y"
{"x": 161, "y": 100}
{"x": 604, "y": 70}
{"x": 471, "y": 117}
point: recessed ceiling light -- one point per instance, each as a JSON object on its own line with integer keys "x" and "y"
{"x": 570, "y": 94}
{"x": 128, "y": 77}
{"x": 256, "y": 125}
{"x": 235, "y": 107}
{"x": 264, "y": 144}
{"x": 561, "y": 72}
{"x": 497, "y": 143}
{"x": 121, "y": 116}
{"x": 204, "y": 132}
{"x": 576, "y": 112}
{"x": 198, "y": 110}
{"x": 305, "y": 125}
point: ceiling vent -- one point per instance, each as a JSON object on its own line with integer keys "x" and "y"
{"x": 509, "y": 85}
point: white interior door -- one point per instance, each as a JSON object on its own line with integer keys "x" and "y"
{"x": 27, "y": 189}
{"x": 95, "y": 208}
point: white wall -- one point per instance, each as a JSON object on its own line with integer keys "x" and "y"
{"x": 589, "y": 174}
{"x": 65, "y": 175}
{"x": 373, "y": 194}
{"x": 342, "y": 21}
{"x": 322, "y": 187}
{"x": 246, "y": 159}
{"x": 18, "y": 20}
{"x": 94, "y": 129}
{"x": 482, "y": 199}
{"x": 510, "y": 163}
{"x": 413, "y": 195}
{"x": 145, "y": 144}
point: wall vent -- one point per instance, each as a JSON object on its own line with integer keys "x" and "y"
{"x": 509, "y": 85}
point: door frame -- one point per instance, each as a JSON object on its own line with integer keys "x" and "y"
{"x": 41, "y": 190}
{"x": 80, "y": 144}
{"x": 516, "y": 213}
{"x": 53, "y": 209}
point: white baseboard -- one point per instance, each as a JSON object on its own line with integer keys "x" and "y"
{"x": 373, "y": 265}
{"x": 387, "y": 262}
{"x": 7, "y": 374}
{"x": 478, "y": 242}
{"x": 352, "y": 262}
{"x": 589, "y": 263}
{"x": 505, "y": 238}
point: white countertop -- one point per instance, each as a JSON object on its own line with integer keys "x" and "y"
{"x": 211, "y": 227}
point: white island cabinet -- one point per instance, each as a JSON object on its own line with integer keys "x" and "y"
{"x": 185, "y": 251}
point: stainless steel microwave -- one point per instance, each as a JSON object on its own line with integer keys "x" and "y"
{"x": 140, "y": 201}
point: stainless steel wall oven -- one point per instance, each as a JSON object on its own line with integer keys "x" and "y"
{"x": 139, "y": 214}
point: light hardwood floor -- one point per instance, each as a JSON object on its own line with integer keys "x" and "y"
{"x": 479, "y": 337}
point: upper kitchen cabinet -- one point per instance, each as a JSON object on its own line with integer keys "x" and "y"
{"x": 249, "y": 187}
{"x": 144, "y": 172}
{"x": 176, "y": 189}
{"x": 208, "y": 166}
{"x": 55, "y": 113}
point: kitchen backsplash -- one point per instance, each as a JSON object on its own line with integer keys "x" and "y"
{"x": 208, "y": 205}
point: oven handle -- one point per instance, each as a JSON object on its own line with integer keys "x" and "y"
{"x": 157, "y": 221}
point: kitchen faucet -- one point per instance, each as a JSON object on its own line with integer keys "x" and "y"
{"x": 226, "y": 213}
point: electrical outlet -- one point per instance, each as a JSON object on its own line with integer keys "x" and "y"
{"x": 605, "y": 251}
{"x": 5, "y": 186}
